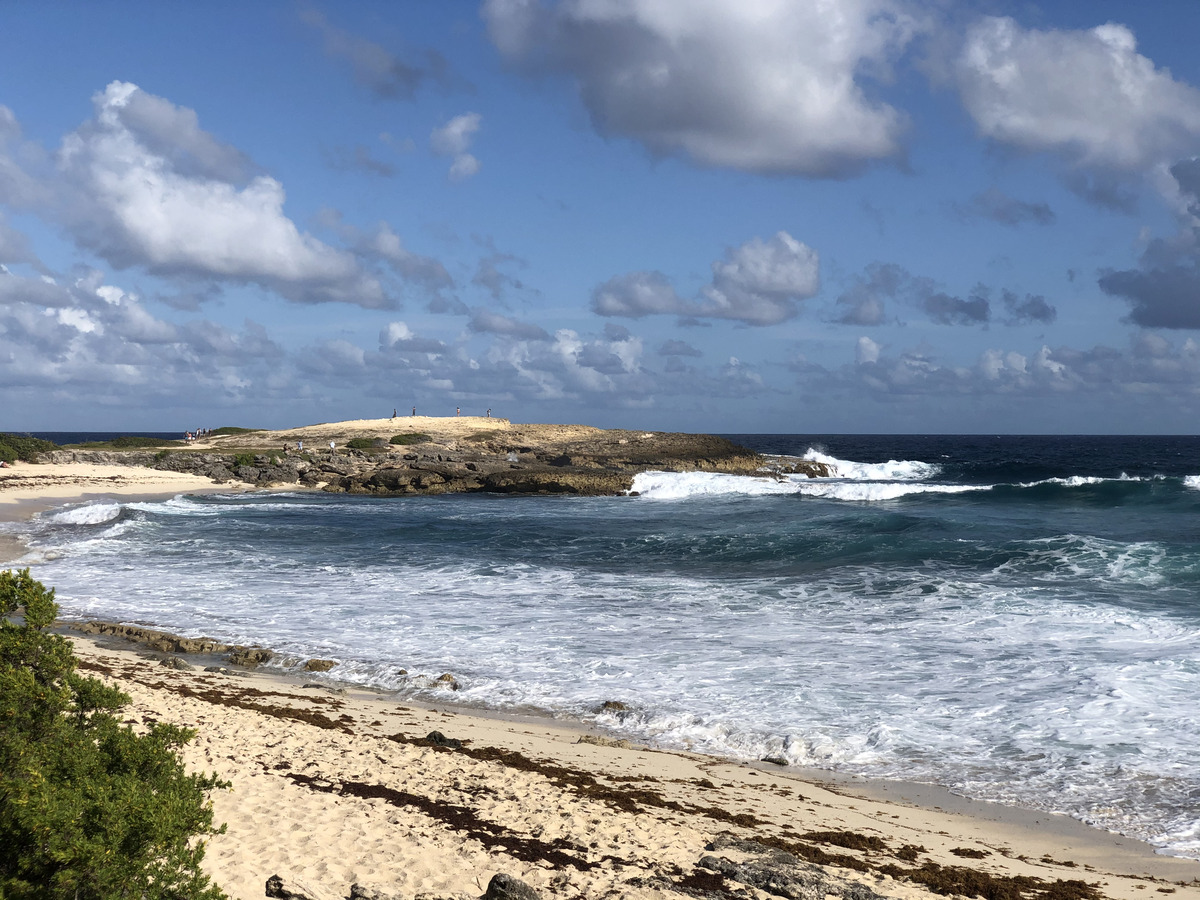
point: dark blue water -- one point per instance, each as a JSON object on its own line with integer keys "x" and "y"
{"x": 87, "y": 437}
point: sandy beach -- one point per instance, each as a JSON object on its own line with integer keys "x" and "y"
{"x": 333, "y": 788}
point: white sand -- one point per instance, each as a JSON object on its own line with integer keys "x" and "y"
{"x": 250, "y": 732}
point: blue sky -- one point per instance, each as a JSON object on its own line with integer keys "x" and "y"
{"x": 703, "y": 215}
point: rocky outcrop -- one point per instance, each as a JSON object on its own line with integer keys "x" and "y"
{"x": 511, "y": 460}
{"x": 161, "y": 641}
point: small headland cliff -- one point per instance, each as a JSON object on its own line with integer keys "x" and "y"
{"x": 428, "y": 455}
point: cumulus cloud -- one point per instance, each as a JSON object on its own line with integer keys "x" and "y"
{"x": 453, "y": 139}
{"x": 945, "y": 309}
{"x": 485, "y": 321}
{"x": 863, "y": 302}
{"x": 1164, "y": 291}
{"x": 637, "y": 294}
{"x": 866, "y": 351}
{"x": 1167, "y": 297}
{"x": 381, "y": 244}
{"x": 1032, "y": 308}
{"x": 385, "y": 74}
{"x": 1086, "y": 95}
{"x": 757, "y": 85}
{"x": 1150, "y": 370}
{"x": 758, "y": 283}
{"x": 140, "y": 184}
{"x": 60, "y": 338}
{"x": 996, "y": 206}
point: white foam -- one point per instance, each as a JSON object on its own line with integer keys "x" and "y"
{"x": 892, "y": 470}
{"x": 1192, "y": 481}
{"x": 178, "y": 505}
{"x": 88, "y": 514}
{"x": 683, "y": 485}
{"x": 858, "y": 667}
{"x": 871, "y": 491}
{"x": 1073, "y": 481}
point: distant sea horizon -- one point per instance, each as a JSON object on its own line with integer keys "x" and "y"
{"x": 753, "y": 439}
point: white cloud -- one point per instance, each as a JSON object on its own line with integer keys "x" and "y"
{"x": 464, "y": 166}
{"x": 759, "y": 283}
{"x": 1087, "y": 95}
{"x": 866, "y": 351}
{"x": 759, "y": 85}
{"x": 489, "y": 322}
{"x": 453, "y": 139}
{"x": 142, "y": 185}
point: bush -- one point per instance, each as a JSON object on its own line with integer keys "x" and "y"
{"x": 89, "y": 809}
{"x": 480, "y": 437}
{"x": 414, "y": 437}
{"x": 130, "y": 442}
{"x": 22, "y": 446}
{"x": 360, "y": 443}
{"x": 233, "y": 429}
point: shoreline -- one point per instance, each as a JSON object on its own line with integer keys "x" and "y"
{"x": 925, "y": 815}
{"x": 329, "y": 784}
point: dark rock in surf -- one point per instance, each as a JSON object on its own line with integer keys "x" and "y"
{"x": 249, "y": 657}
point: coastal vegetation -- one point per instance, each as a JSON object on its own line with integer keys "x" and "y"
{"x": 22, "y": 447}
{"x": 232, "y": 429}
{"x": 130, "y": 442}
{"x": 90, "y": 809}
{"x": 414, "y": 437}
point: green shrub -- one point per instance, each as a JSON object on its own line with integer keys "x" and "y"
{"x": 131, "y": 442}
{"x": 243, "y": 459}
{"x": 360, "y": 443}
{"x": 480, "y": 436}
{"x": 233, "y": 429}
{"x": 89, "y": 808}
{"x": 414, "y": 437}
{"x": 23, "y": 446}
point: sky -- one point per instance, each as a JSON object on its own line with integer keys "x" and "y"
{"x": 730, "y": 216}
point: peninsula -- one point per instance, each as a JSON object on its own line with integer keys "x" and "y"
{"x": 433, "y": 455}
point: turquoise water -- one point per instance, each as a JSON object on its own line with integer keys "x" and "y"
{"x": 1017, "y": 619}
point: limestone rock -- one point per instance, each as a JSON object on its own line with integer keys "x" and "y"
{"x": 604, "y": 741}
{"x": 320, "y": 665}
{"x": 249, "y": 657}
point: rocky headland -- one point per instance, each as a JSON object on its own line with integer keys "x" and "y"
{"x": 426, "y": 455}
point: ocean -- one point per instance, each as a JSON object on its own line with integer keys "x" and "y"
{"x": 1014, "y": 618}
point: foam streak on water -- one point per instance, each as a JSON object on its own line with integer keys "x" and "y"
{"x": 1031, "y": 640}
